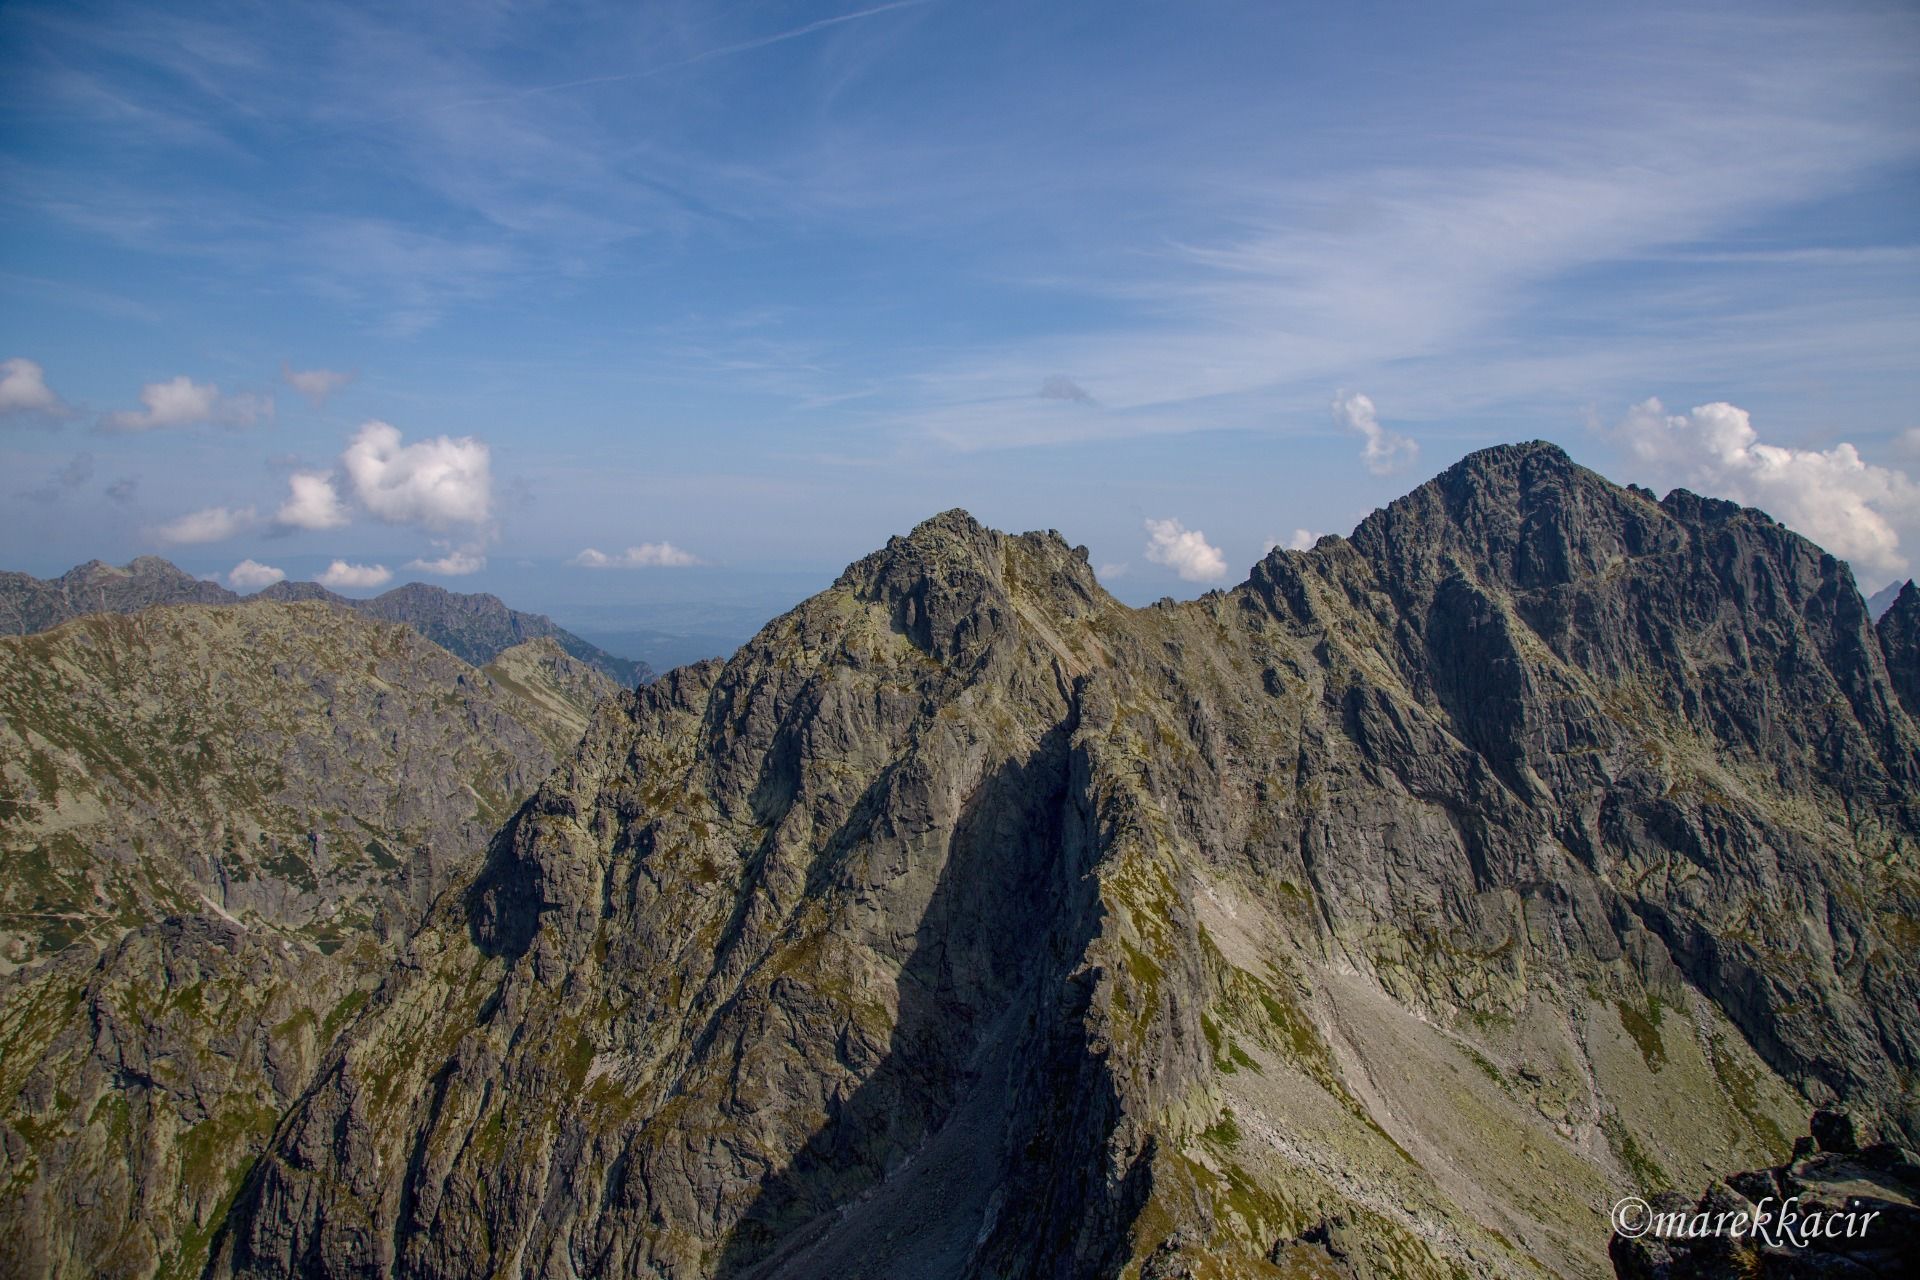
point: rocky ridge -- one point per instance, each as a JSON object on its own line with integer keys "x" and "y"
{"x": 218, "y": 825}
{"x": 1390, "y": 914}
{"x": 474, "y": 627}
{"x": 29, "y": 604}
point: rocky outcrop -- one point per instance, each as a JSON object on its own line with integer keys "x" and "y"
{"x": 1900, "y": 643}
{"x": 1388, "y": 915}
{"x": 1841, "y": 1207}
{"x": 219, "y": 825}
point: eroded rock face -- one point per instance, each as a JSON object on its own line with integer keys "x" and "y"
{"x": 1388, "y": 915}
{"x": 219, "y": 826}
{"x": 1843, "y": 1206}
{"x": 1900, "y": 641}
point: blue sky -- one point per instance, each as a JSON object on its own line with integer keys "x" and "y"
{"x": 756, "y": 285}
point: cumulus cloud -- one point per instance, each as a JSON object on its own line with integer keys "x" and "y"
{"x": 315, "y": 384}
{"x": 210, "y": 524}
{"x": 24, "y": 390}
{"x": 1185, "y": 551}
{"x": 437, "y": 483}
{"x": 251, "y": 575}
{"x": 451, "y": 565}
{"x": 1385, "y": 451}
{"x": 1833, "y": 496}
{"x": 1111, "y": 572}
{"x": 182, "y": 402}
{"x": 1061, "y": 387}
{"x": 311, "y": 503}
{"x": 1302, "y": 540}
{"x": 350, "y": 577}
{"x": 648, "y": 555}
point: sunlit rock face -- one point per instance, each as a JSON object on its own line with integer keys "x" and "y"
{"x": 1391, "y": 914}
{"x": 218, "y": 827}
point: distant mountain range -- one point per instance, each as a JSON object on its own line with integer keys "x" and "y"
{"x": 474, "y": 627}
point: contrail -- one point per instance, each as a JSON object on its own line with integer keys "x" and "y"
{"x": 725, "y": 51}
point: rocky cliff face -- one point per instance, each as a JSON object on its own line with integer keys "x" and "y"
{"x": 1388, "y": 915}
{"x": 218, "y": 824}
{"x": 1900, "y": 643}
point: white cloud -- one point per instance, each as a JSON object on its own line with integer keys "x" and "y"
{"x": 437, "y": 483}
{"x": 251, "y": 575}
{"x": 648, "y": 555}
{"x": 1302, "y": 540}
{"x": 210, "y": 524}
{"x": 182, "y": 402}
{"x": 1185, "y": 551}
{"x": 1833, "y": 496}
{"x": 451, "y": 565}
{"x": 315, "y": 384}
{"x": 24, "y": 389}
{"x": 1385, "y": 451}
{"x": 343, "y": 576}
{"x": 311, "y": 503}
{"x": 1111, "y": 572}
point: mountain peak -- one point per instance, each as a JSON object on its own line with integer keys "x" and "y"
{"x": 1522, "y": 515}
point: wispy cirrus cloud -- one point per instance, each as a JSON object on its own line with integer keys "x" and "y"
{"x": 77, "y": 471}
{"x": 317, "y": 385}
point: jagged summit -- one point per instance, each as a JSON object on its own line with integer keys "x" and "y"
{"x": 1388, "y": 915}
{"x": 952, "y": 583}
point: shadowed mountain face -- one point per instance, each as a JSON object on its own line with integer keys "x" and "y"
{"x": 475, "y": 628}
{"x": 1388, "y": 915}
{"x": 217, "y": 825}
